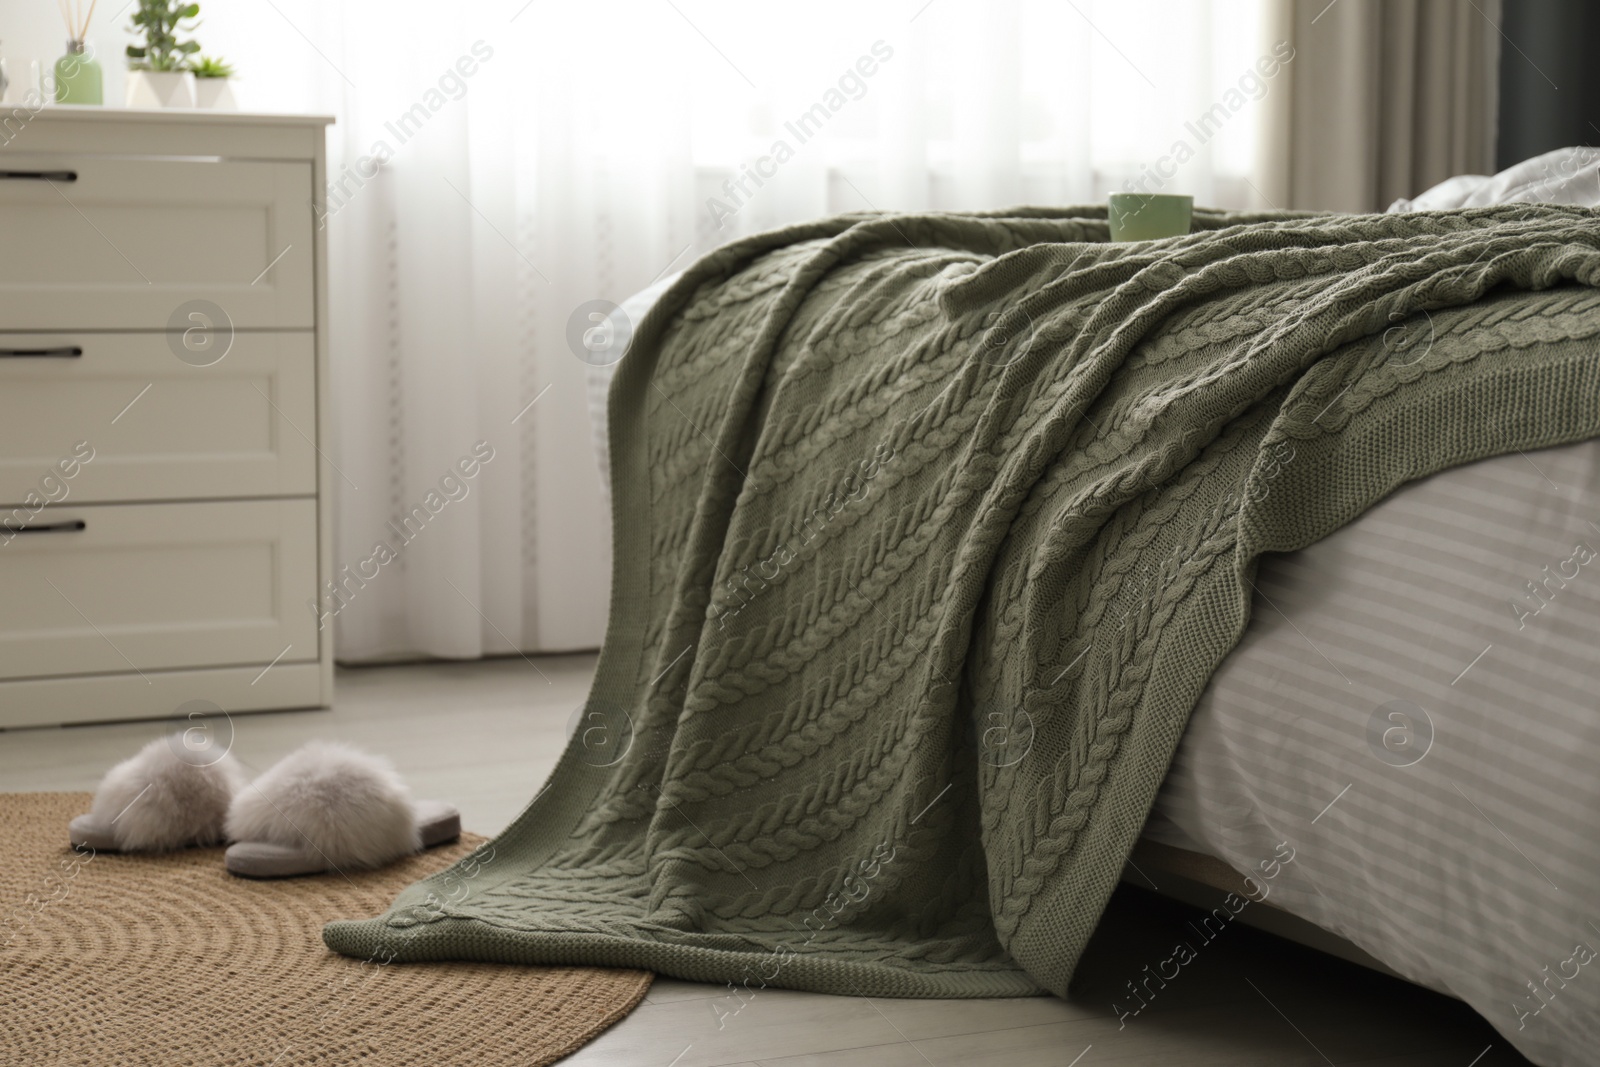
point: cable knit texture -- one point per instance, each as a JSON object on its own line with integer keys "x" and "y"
{"x": 929, "y": 531}
{"x": 168, "y": 795}
{"x": 342, "y": 804}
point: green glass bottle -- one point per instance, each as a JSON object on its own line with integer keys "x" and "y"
{"x": 78, "y": 77}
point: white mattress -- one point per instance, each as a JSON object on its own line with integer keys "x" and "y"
{"x": 1476, "y": 867}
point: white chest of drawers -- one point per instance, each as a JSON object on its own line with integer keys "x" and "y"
{"x": 164, "y": 501}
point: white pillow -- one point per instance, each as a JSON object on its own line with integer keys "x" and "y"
{"x": 1563, "y": 176}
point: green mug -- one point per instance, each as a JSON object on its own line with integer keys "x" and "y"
{"x": 1148, "y": 216}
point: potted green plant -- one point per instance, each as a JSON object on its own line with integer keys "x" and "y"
{"x": 211, "y": 83}
{"x": 158, "y": 69}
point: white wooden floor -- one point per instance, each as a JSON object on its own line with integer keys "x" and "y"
{"x": 484, "y": 735}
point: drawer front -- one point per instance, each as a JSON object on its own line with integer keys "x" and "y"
{"x": 157, "y": 428}
{"x": 128, "y": 243}
{"x": 144, "y": 587}
{"x": 158, "y": 694}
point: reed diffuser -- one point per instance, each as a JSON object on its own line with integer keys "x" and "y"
{"x": 78, "y": 72}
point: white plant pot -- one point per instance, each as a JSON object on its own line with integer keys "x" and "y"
{"x": 215, "y": 93}
{"x": 160, "y": 88}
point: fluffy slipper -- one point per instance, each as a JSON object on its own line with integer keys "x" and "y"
{"x": 328, "y": 806}
{"x": 165, "y": 797}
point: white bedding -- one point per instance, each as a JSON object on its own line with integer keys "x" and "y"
{"x": 1474, "y": 869}
{"x": 1563, "y": 176}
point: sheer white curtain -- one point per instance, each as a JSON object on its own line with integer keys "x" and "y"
{"x": 497, "y": 165}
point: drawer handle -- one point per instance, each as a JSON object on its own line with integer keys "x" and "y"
{"x": 69, "y": 526}
{"x": 64, "y": 352}
{"x": 39, "y": 175}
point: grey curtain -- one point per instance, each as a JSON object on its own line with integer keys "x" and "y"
{"x": 1385, "y": 98}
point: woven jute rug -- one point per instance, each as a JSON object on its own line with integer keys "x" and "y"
{"x": 119, "y": 959}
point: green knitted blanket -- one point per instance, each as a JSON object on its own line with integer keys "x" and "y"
{"x": 930, "y": 530}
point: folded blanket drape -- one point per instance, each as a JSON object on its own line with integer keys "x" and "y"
{"x": 929, "y": 531}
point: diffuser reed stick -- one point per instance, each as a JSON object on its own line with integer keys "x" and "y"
{"x": 76, "y": 17}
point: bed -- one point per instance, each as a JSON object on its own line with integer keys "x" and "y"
{"x": 1397, "y": 764}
